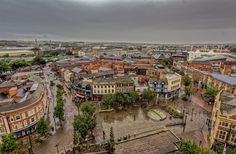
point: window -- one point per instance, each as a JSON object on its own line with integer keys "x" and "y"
{"x": 105, "y": 91}
{"x": 30, "y": 112}
{"x": 98, "y": 91}
{"x": 12, "y": 119}
{"x": 18, "y": 117}
{"x": 94, "y": 91}
{"x": 224, "y": 124}
{"x": 233, "y": 138}
{"x": 32, "y": 119}
{"x": 222, "y": 135}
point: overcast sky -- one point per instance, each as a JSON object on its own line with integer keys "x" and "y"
{"x": 158, "y": 21}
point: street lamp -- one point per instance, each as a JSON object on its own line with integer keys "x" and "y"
{"x": 57, "y": 147}
{"x": 30, "y": 142}
{"x": 192, "y": 114}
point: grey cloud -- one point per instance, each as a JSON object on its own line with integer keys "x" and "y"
{"x": 176, "y": 21}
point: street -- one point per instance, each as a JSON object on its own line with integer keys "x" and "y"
{"x": 63, "y": 137}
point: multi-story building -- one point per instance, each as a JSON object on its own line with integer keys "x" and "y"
{"x": 103, "y": 86}
{"x": 124, "y": 84}
{"x": 222, "y": 124}
{"x": 83, "y": 90}
{"x": 168, "y": 86}
{"x": 21, "y": 117}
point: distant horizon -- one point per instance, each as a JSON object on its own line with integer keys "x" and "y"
{"x": 140, "y": 21}
{"x": 126, "y": 42}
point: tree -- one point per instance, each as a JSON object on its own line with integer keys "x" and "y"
{"x": 9, "y": 143}
{"x": 166, "y": 62}
{"x": 4, "y": 66}
{"x": 38, "y": 61}
{"x": 88, "y": 108}
{"x": 187, "y": 90}
{"x": 186, "y": 81}
{"x": 120, "y": 98}
{"x": 18, "y": 64}
{"x": 107, "y": 101}
{"x": 233, "y": 49}
{"x": 59, "y": 111}
{"x": 41, "y": 127}
{"x": 211, "y": 92}
{"x": 82, "y": 124}
{"x": 220, "y": 147}
{"x": 134, "y": 97}
{"x": 188, "y": 147}
{"x": 148, "y": 95}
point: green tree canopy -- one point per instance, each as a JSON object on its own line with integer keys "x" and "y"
{"x": 188, "y": 90}
{"x": 211, "y": 92}
{"x": 59, "y": 111}
{"x": 88, "y": 108}
{"x": 148, "y": 95}
{"x": 120, "y": 98}
{"x": 4, "y": 66}
{"x": 186, "y": 81}
{"x": 41, "y": 127}
{"x": 188, "y": 147}
{"x": 220, "y": 147}
{"x": 233, "y": 48}
{"x": 166, "y": 62}
{"x": 18, "y": 63}
{"x": 82, "y": 124}
{"x": 38, "y": 61}
{"x": 134, "y": 97}
{"x": 107, "y": 101}
{"x": 9, "y": 143}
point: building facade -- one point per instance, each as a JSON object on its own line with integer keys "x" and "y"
{"x": 103, "y": 86}
{"x": 21, "y": 118}
{"x": 168, "y": 87}
{"x": 222, "y": 124}
{"x": 124, "y": 85}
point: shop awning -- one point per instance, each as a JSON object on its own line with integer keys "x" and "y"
{"x": 80, "y": 96}
{"x": 211, "y": 87}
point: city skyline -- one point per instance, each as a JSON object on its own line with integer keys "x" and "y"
{"x": 154, "y": 21}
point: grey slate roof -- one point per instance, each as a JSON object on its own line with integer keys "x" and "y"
{"x": 224, "y": 78}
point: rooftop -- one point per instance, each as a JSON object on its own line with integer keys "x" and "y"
{"x": 163, "y": 142}
{"x": 30, "y": 98}
{"x": 172, "y": 76}
{"x": 225, "y": 78}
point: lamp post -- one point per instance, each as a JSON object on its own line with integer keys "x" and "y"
{"x": 57, "y": 147}
{"x": 192, "y": 114}
{"x": 30, "y": 142}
